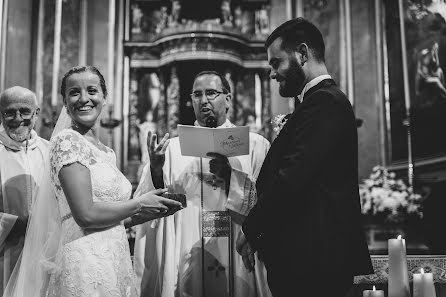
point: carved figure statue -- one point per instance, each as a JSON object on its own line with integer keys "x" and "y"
{"x": 262, "y": 21}
{"x": 163, "y": 18}
{"x": 226, "y": 15}
{"x": 238, "y": 15}
{"x": 136, "y": 19}
{"x": 429, "y": 78}
{"x": 175, "y": 13}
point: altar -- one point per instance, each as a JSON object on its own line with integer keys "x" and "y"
{"x": 431, "y": 264}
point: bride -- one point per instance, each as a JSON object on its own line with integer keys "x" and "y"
{"x": 76, "y": 244}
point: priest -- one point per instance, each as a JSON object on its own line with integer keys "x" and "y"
{"x": 22, "y": 157}
{"x": 192, "y": 253}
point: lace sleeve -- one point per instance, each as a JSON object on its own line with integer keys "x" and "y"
{"x": 68, "y": 147}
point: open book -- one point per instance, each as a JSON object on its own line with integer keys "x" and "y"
{"x": 198, "y": 141}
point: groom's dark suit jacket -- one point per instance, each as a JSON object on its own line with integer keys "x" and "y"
{"x": 308, "y": 210}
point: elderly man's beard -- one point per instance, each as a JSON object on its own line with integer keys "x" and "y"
{"x": 19, "y": 132}
{"x": 292, "y": 81}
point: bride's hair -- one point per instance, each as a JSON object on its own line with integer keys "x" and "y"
{"x": 80, "y": 69}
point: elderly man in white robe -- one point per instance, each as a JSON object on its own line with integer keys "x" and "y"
{"x": 22, "y": 155}
{"x": 192, "y": 253}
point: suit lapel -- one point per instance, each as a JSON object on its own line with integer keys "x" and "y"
{"x": 272, "y": 159}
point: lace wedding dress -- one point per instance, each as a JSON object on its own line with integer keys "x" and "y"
{"x": 91, "y": 262}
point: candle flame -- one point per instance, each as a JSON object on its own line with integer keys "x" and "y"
{"x": 422, "y": 270}
{"x": 374, "y": 289}
{"x": 399, "y": 237}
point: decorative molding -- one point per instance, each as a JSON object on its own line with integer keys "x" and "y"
{"x": 434, "y": 264}
{"x": 155, "y": 63}
{"x": 178, "y": 55}
{"x": 182, "y": 46}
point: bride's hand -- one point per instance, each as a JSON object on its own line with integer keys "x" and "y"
{"x": 153, "y": 204}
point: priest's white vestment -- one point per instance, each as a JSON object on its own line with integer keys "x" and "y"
{"x": 21, "y": 167}
{"x": 192, "y": 253}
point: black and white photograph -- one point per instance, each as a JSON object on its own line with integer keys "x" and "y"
{"x": 222, "y": 148}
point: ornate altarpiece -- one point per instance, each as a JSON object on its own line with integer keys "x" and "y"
{"x": 168, "y": 42}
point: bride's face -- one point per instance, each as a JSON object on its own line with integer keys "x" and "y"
{"x": 84, "y": 98}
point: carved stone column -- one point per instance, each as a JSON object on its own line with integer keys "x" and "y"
{"x": 161, "y": 109}
{"x": 173, "y": 103}
{"x": 266, "y": 105}
{"x": 237, "y": 116}
{"x": 133, "y": 144}
{"x": 230, "y": 78}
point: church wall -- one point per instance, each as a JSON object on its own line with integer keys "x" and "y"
{"x": 366, "y": 86}
{"x": 19, "y": 44}
{"x": 279, "y": 105}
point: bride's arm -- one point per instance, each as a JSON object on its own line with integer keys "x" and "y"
{"x": 75, "y": 180}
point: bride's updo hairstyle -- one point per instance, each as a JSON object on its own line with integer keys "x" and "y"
{"x": 80, "y": 69}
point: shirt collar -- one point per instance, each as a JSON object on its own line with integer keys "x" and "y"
{"x": 226, "y": 124}
{"x": 311, "y": 84}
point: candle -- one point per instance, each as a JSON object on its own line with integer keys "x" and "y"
{"x": 423, "y": 284}
{"x": 398, "y": 275}
{"x": 373, "y": 293}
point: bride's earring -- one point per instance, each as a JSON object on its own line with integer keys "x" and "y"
{"x": 105, "y": 103}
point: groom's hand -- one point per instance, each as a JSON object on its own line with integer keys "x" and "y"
{"x": 244, "y": 249}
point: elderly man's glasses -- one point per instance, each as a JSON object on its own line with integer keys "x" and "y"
{"x": 25, "y": 114}
{"x": 210, "y": 94}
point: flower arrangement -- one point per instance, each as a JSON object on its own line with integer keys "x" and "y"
{"x": 278, "y": 122}
{"x": 382, "y": 195}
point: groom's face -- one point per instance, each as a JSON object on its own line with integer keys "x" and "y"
{"x": 285, "y": 69}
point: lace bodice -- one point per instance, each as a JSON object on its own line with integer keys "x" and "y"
{"x": 108, "y": 183}
{"x": 92, "y": 262}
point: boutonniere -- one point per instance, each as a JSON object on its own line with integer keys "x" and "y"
{"x": 279, "y": 121}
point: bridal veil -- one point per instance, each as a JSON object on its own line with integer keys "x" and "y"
{"x": 43, "y": 235}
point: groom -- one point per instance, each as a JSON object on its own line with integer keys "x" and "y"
{"x": 306, "y": 225}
